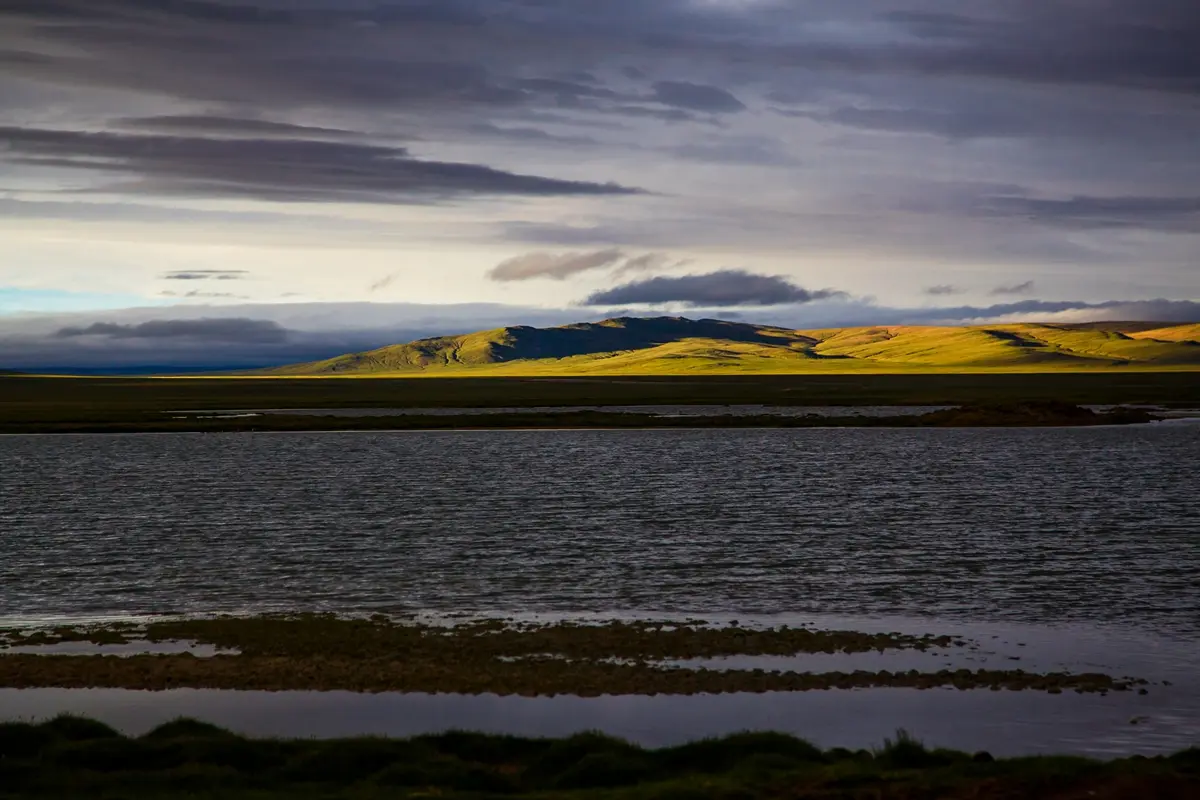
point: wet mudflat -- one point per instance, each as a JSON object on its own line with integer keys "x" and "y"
{"x": 325, "y": 652}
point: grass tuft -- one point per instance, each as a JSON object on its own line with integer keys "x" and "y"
{"x": 185, "y": 728}
{"x": 719, "y": 755}
{"x": 72, "y": 728}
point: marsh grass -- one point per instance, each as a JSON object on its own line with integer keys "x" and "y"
{"x": 193, "y": 759}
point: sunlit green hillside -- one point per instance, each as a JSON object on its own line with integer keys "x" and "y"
{"x": 673, "y": 345}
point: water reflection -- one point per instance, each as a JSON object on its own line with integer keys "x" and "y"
{"x": 125, "y": 649}
{"x": 1004, "y": 723}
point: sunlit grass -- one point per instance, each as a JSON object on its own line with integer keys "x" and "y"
{"x": 750, "y": 349}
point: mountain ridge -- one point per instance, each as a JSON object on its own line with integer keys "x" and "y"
{"x": 673, "y": 345}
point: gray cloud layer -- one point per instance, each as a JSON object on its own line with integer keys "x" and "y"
{"x": 696, "y": 97}
{"x": 729, "y": 287}
{"x": 191, "y": 124}
{"x": 289, "y": 170}
{"x": 1019, "y": 288}
{"x": 206, "y": 275}
{"x": 1144, "y": 44}
{"x": 558, "y": 266}
{"x": 1085, "y": 111}
{"x": 942, "y": 289}
{"x": 232, "y": 330}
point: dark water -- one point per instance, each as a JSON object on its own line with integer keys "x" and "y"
{"x": 1035, "y": 525}
{"x": 1074, "y": 549}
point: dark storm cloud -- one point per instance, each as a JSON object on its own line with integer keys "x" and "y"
{"x": 1019, "y": 288}
{"x": 240, "y": 330}
{"x": 1170, "y": 214}
{"x": 696, "y": 97}
{"x": 288, "y": 170}
{"x": 729, "y": 287}
{"x": 1147, "y": 44}
{"x": 558, "y": 266}
{"x": 956, "y": 124}
{"x": 193, "y": 10}
{"x": 1101, "y": 93}
{"x": 206, "y": 275}
{"x": 190, "y": 124}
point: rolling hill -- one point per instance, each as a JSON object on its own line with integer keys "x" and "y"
{"x": 675, "y": 345}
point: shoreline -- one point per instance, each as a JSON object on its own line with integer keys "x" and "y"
{"x": 1009, "y": 415}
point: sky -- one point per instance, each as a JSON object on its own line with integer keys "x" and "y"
{"x": 243, "y": 182}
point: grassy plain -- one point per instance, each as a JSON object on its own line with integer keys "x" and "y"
{"x": 39, "y": 403}
{"x": 79, "y": 757}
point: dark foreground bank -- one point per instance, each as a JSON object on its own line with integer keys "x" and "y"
{"x": 78, "y": 757}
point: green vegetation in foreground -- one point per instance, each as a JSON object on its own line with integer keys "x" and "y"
{"x": 679, "y": 346}
{"x": 79, "y": 757}
{"x": 326, "y": 653}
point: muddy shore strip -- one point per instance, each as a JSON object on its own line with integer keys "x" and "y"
{"x": 379, "y": 654}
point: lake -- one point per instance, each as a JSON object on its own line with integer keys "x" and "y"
{"x": 1084, "y": 543}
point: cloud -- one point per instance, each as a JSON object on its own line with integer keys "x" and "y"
{"x": 649, "y": 262}
{"x": 729, "y": 287}
{"x": 206, "y": 275}
{"x": 942, "y": 289}
{"x": 384, "y": 282}
{"x": 696, "y": 97}
{"x": 558, "y": 266}
{"x": 197, "y": 294}
{"x": 292, "y": 170}
{"x": 1019, "y": 288}
{"x": 190, "y": 124}
{"x": 745, "y": 151}
{"x": 1170, "y": 214}
{"x": 1100, "y": 95}
{"x": 1063, "y": 311}
{"x": 232, "y": 330}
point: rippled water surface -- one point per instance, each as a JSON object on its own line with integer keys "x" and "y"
{"x": 1029, "y": 525}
